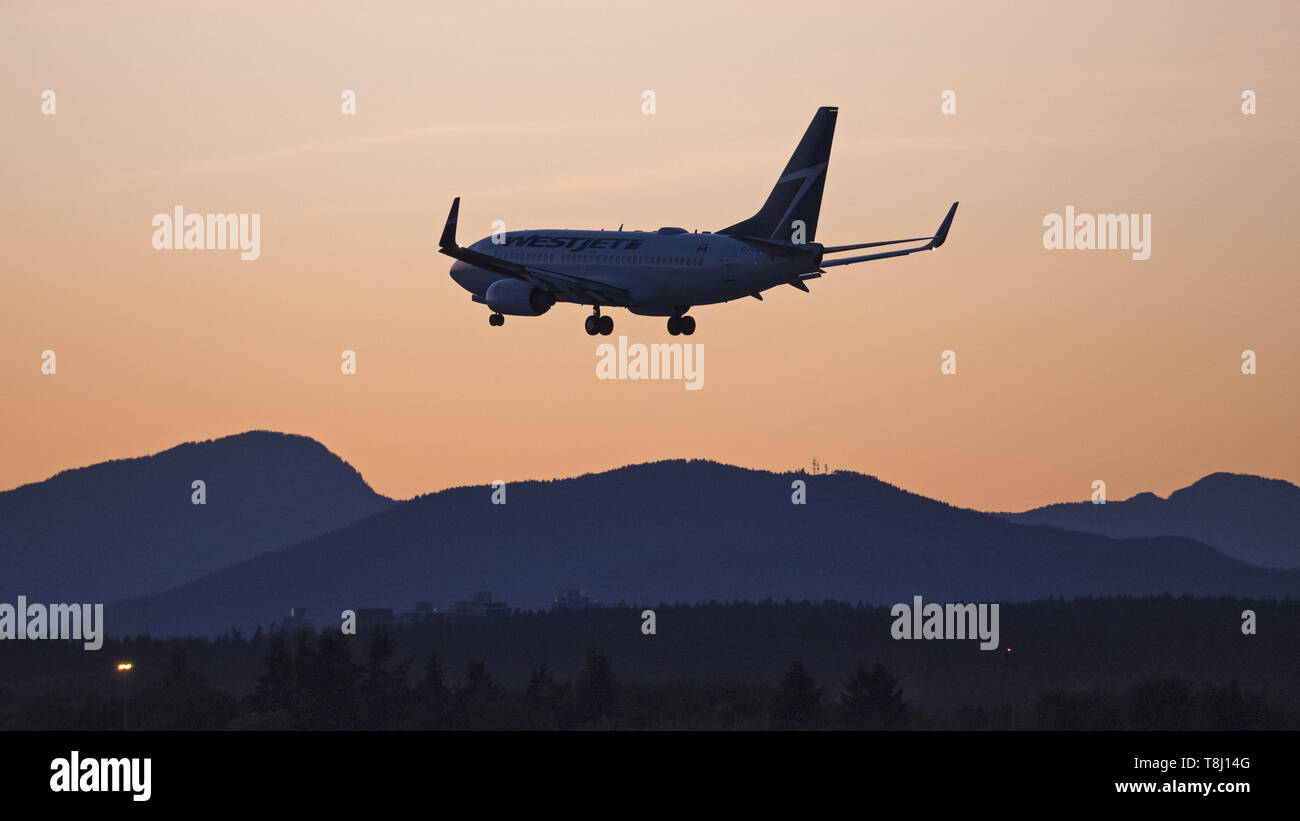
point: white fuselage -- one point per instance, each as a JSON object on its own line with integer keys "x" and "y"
{"x": 662, "y": 271}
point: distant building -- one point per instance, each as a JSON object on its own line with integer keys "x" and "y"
{"x": 297, "y": 620}
{"x": 369, "y": 618}
{"x": 574, "y": 600}
{"x": 480, "y": 605}
{"x": 425, "y": 612}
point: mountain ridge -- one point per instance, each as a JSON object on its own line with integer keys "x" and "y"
{"x": 289, "y": 523}
{"x": 111, "y": 530}
{"x": 682, "y": 531}
{"x": 1252, "y": 518}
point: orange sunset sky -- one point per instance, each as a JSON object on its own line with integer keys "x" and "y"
{"x": 1072, "y": 365}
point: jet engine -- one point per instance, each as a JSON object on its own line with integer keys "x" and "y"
{"x": 517, "y": 298}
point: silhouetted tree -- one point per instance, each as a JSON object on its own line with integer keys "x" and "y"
{"x": 595, "y": 691}
{"x": 182, "y": 700}
{"x": 475, "y": 699}
{"x": 384, "y": 692}
{"x": 60, "y": 709}
{"x": 542, "y": 699}
{"x": 433, "y": 699}
{"x": 275, "y": 686}
{"x": 873, "y": 700}
{"x": 1161, "y": 704}
{"x": 795, "y": 706}
{"x": 327, "y": 685}
{"x": 970, "y": 717}
{"x": 1092, "y": 710}
{"x": 1223, "y": 707}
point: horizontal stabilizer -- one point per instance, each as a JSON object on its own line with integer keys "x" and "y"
{"x": 933, "y": 242}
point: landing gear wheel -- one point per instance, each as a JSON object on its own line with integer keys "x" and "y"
{"x": 496, "y": 320}
{"x": 605, "y": 325}
{"x": 688, "y": 325}
{"x": 674, "y": 325}
{"x": 592, "y": 325}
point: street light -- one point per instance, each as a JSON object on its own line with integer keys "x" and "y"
{"x": 124, "y": 667}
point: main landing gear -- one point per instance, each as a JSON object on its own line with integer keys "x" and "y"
{"x": 678, "y": 324}
{"x": 597, "y": 324}
{"x": 497, "y": 320}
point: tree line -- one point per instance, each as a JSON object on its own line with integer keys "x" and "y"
{"x": 312, "y": 682}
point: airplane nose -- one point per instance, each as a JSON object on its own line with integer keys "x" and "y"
{"x": 460, "y": 272}
{"x": 474, "y": 280}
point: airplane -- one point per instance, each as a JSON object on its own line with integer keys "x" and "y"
{"x": 669, "y": 271}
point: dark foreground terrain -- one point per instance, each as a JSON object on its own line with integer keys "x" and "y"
{"x": 1128, "y": 663}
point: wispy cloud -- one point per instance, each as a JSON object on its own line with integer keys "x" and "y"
{"x": 233, "y": 163}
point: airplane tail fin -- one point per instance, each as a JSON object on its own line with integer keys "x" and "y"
{"x": 797, "y": 196}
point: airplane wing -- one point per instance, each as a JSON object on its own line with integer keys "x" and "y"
{"x": 930, "y": 244}
{"x": 580, "y": 289}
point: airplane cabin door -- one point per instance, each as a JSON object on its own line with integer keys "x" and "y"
{"x": 729, "y": 268}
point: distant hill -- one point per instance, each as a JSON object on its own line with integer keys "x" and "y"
{"x": 1250, "y": 518}
{"x": 687, "y": 532}
{"x": 127, "y": 528}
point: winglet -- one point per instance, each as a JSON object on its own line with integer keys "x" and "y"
{"x": 942, "y": 235}
{"x": 449, "y": 230}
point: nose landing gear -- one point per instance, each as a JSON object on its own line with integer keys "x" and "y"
{"x": 497, "y": 320}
